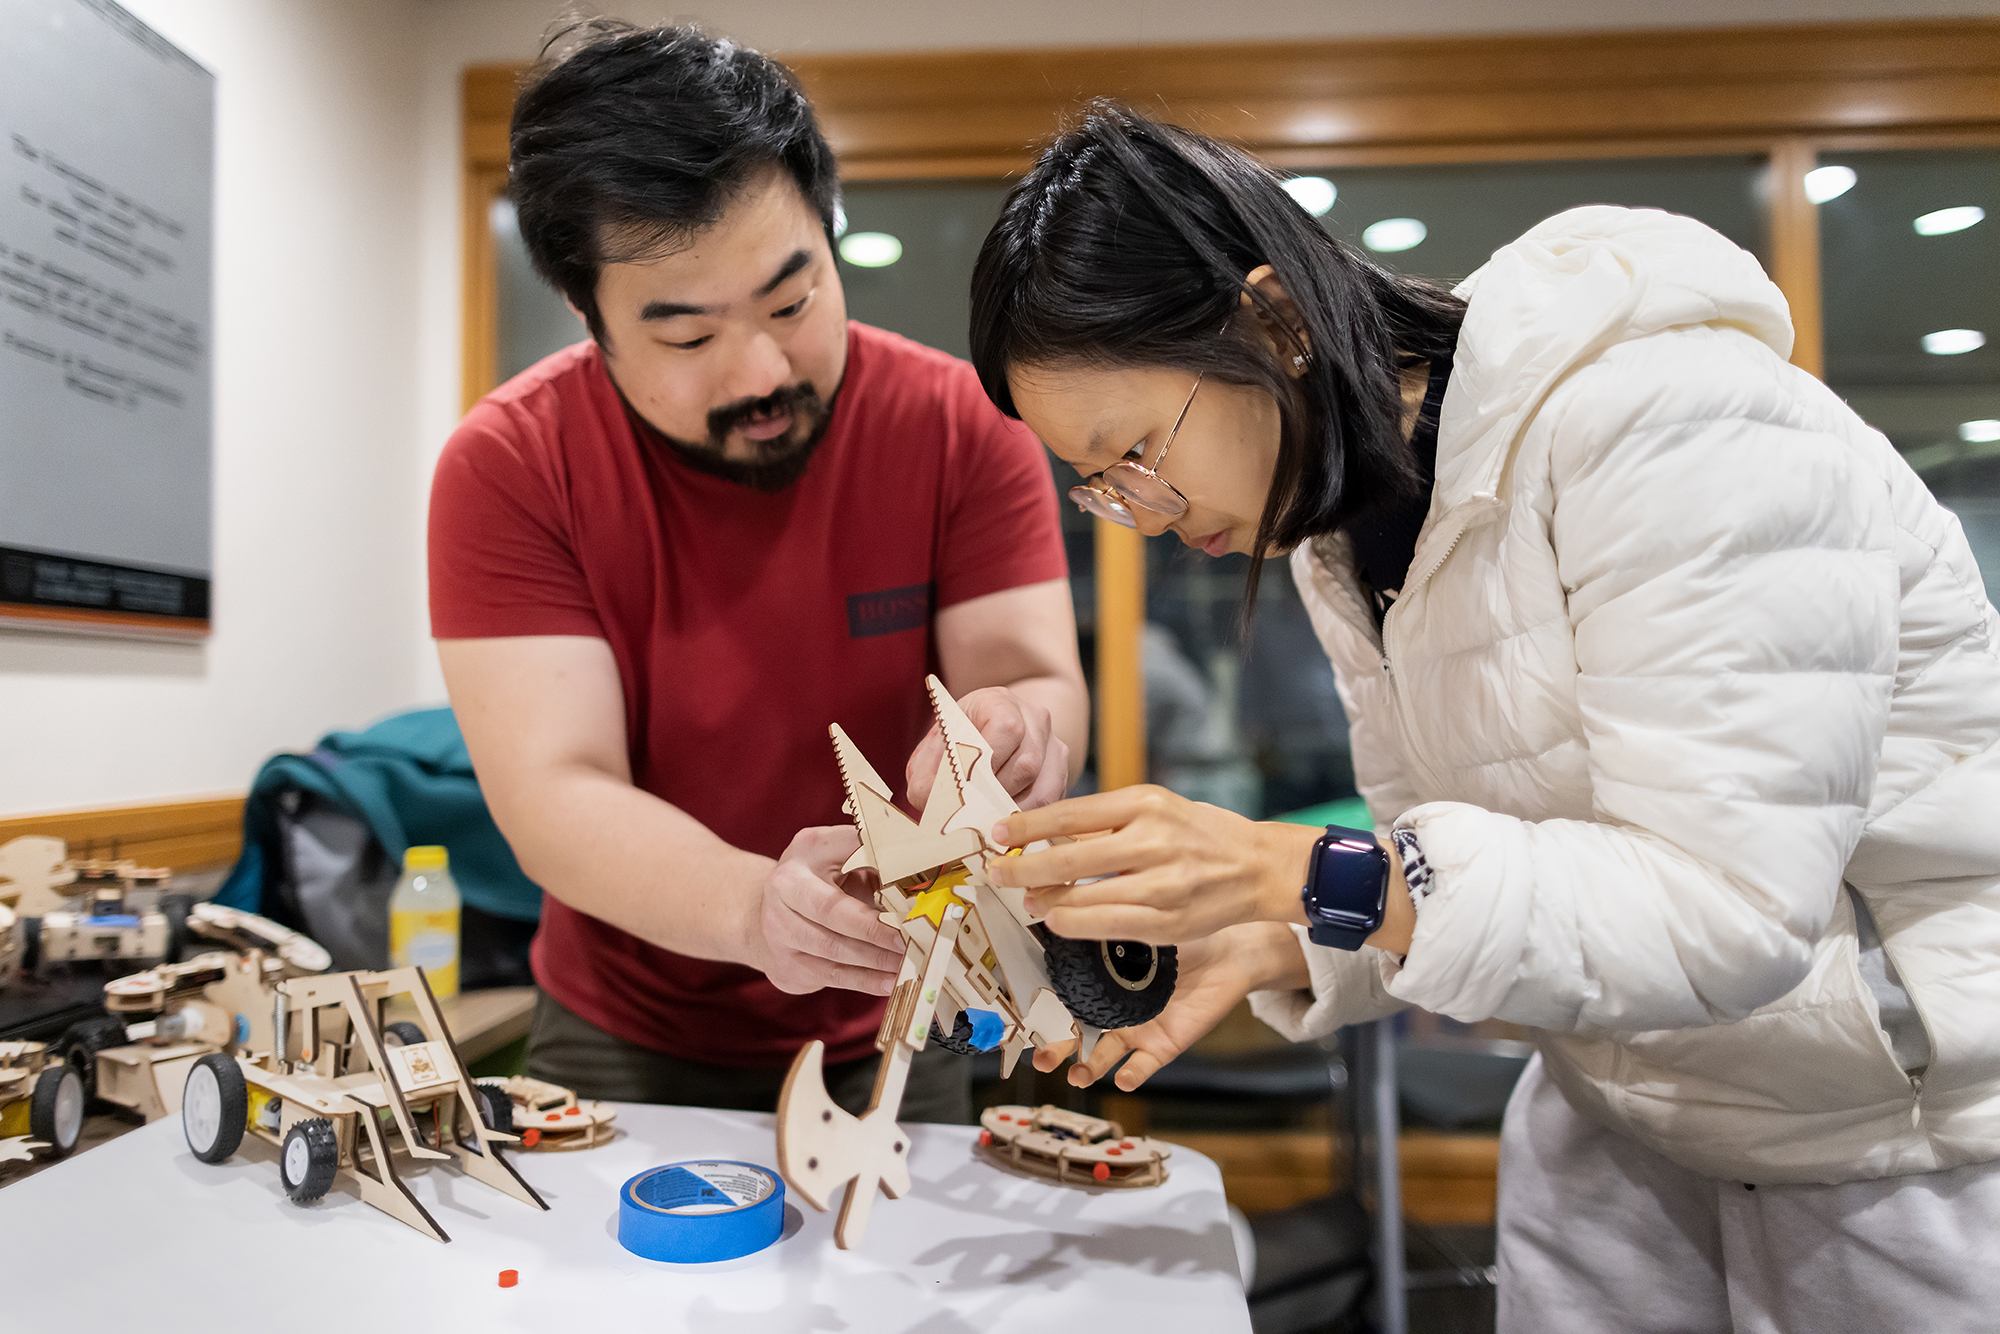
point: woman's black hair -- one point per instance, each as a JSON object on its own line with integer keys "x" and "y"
{"x": 1127, "y": 245}
{"x": 626, "y": 140}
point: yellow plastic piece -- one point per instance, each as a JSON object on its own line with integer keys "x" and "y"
{"x": 932, "y": 902}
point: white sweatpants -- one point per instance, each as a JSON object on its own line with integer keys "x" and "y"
{"x": 1597, "y": 1234}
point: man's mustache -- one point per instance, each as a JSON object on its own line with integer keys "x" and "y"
{"x": 800, "y": 400}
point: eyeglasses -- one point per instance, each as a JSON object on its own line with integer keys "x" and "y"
{"x": 1129, "y": 482}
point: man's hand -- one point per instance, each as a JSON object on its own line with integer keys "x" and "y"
{"x": 818, "y": 933}
{"x": 1029, "y": 759}
{"x": 1216, "y": 972}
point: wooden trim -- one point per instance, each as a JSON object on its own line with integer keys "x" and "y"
{"x": 182, "y": 835}
{"x": 1121, "y": 666}
{"x": 117, "y": 624}
{"x": 966, "y": 113}
{"x": 1794, "y": 224}
{"x": 480, "y": 347}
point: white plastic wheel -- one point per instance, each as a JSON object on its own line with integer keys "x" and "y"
{"x": 298, "y": 1158}
{"x": 69, "y": 1112}
{"x": 201, "y": 1109}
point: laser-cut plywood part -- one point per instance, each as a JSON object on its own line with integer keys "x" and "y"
{"x": 1070, "y": 1148}
{"x": 345, "y": 1097}
{"x": 976, "y": 970}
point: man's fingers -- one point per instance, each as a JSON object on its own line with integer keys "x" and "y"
{"x": 1052, "y": 781}
{"x": 823, "y": 850}
{"x": 816, "y": 901}
{"x": 922, "y": 768}
{"x": 847, "y": 977}
{"x": 1018, "y": 771}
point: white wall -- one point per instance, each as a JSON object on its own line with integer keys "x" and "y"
{"x": 336, "y": 339}
{"x": 316, "y": 430}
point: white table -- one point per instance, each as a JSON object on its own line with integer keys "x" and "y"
{"x": 139, "y": 1235}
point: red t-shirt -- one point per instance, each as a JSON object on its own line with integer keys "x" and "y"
{"x": 743, "y": 623}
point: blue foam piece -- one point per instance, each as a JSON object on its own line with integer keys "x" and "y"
{"x": 116, "y": 919}
{"x": 987, "y": 1028}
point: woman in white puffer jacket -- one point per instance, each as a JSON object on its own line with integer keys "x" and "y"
{"x": 1674, "y": 695}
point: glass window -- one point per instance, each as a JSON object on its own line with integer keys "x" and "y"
{"x": 1910, "y": 264}
{"x": 532, "y": 319}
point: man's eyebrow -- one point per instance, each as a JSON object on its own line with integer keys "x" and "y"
{"x": 666, "y": 310}
{"x": 797, "y": 260}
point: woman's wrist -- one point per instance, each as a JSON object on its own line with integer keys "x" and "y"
{"x": 1287, "y": 854}
{"x": 1266, "y": 957}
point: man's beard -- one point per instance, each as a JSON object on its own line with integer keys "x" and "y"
{"x": 779, "y": 461}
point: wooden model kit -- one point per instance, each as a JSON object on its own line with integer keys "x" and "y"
{"x": 979, "y": 971}
{"x": 41, "y": 1102}
{"x": 1070, "y": 1148}
{"x": 166, "y": 1018}
{"x": 341, "y": 1094}
{"x": 67, "y": 910}
{"x": 549, "y": 1117}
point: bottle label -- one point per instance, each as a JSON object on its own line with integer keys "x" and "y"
{"x": 427, "y": 940}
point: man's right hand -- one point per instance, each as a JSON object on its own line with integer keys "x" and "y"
{"x": 817, "y": 934}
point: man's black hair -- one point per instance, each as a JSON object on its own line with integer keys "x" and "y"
{"x": 627, "y": 140}
{"x": 1126, "y": 245}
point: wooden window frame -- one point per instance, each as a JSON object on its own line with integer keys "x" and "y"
{"x": 1786, "y": 93}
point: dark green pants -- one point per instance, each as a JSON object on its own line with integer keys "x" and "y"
{"x": 566, "y": 1049}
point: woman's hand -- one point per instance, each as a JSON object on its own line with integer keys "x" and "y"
{"x": 1179, "y": 869}
{"x": 1215, "y": 974}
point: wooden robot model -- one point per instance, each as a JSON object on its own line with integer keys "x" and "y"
{"x": 342, "y": 1093}
{"x": 41, "y": 1102}
{"x": 979, "y": 971}
{"x": 1071, "y": 1148}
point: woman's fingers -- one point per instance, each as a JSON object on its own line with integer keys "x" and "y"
{"x": 1110, "y": 855}
{"x": 1049, "y": 1057}
{"x": 1109, "y": 1050}
{"x": 1078, "y": 815}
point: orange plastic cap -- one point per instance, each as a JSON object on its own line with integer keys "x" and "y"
{"x": 1102, "y": 1171}
{"x": 509, "y": 1277}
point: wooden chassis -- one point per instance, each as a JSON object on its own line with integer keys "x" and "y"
{"x": 1786, "y": 92}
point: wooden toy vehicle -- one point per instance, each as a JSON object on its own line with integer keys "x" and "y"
{"x": 979, "y": 970}
{"x": 161, "y": 1021}
{"x": 342, "y": 1095}
{"x": 78, "y": 909}
{"x": 1071, "y": 1148}
{"x": 549, "y": 1117}
{"x": 41, "y": 1102}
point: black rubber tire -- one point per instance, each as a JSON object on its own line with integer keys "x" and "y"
{"x": 496, "y": 1109}
{"x": 404, "y": 1032}
{"x": 315, "y": 1163}
{"x": 31, "y": 944}
{"x": 960, "y": 1038}
{"x": 175, "y": 908}
{"x": 1110, "y": 983}
{"x": 81, "y": 1042}
{"x": 233, "y": 1108}
{"x": 55, "y": 1109}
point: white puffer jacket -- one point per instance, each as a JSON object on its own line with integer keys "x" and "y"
{"x": 1685, "y": 647}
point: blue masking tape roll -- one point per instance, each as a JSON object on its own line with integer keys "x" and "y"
{"x": 695, "y": 1212}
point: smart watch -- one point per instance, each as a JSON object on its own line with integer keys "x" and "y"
{"x": 1347, "y": 888}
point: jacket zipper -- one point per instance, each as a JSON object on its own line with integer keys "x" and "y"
{"x": 1405, "y": 720}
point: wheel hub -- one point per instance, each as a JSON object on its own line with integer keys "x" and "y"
{"x": 1130, "y": 964}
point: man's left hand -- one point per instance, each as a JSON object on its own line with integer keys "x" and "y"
{"x": 1029, "y": 759}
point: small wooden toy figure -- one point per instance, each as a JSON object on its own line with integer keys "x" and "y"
{"x": 979, "y": 972}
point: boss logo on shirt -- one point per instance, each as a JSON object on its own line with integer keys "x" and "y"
{"x": 887, "y": 611}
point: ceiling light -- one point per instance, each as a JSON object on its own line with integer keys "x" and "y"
{"x": 839, "y": 222}
{"x": 1951, "y": 342}
{"x": 1948, "y": 220}
{"x": 870, "y": 250}
{"x": 1392, "y": 234}
{"x": 1980, "y": 432}
{"x": 1314, "y": 194}
{"x": 1824, "y": 183}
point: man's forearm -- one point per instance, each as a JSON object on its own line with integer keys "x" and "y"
{"x": 620, "y": 854}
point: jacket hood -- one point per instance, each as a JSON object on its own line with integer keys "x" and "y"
{"x": 1566, "y": 290}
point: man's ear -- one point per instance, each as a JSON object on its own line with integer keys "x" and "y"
{"x": 1286, "y": 337}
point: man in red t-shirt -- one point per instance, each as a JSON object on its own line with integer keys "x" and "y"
{"x": 664, "y": 560}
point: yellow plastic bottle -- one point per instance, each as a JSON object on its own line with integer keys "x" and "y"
{"x": 423, "y": 919}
